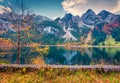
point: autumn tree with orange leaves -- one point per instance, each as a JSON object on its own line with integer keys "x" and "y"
{"x": 19, "y": 25}
{"x": 5, "y": 44}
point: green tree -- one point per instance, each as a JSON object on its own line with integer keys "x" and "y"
{"x": 116, "y": 33}
{"x": 99, "y": 36}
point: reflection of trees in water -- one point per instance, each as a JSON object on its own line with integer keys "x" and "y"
{"x": 87, "y": 51}
{"x": 101, "y": 57}
{"x": 66, "y": 57}
{"x": 112, "y": 51}
{"x": 84, "y": 56}
{"x": 26, "y": 55}
{"x": 117, "y": 58}
{"x": 5, "y": 57}
{"x": 55, "y": 56}
{"x": 79, "y": 59}
{"x": 82, "y": 50}
{"x": 59, "y": 55}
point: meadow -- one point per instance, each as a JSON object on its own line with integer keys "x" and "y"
{"x": 57, "y": 75}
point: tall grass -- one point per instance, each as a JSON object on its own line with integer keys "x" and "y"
{"x": 57, "y": 75}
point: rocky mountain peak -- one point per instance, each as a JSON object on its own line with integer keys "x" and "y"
{"x": 89, "y": 17}
{"x": 90, "y": 11}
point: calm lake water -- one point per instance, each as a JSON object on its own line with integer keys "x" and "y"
{"x": 63, "y": 56}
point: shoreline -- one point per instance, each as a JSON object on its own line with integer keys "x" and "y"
{"x": 82, "y": 46}
{"x": 76, "y": 67}
{"x": 79, "y": 47}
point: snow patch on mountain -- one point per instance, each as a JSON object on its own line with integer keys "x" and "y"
{"x": 68, "y": 36}
{"x": 50, "y": 30}
{"x": 82, "y": 24}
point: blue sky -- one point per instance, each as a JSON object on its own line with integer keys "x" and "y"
{"x": 50, "y": 8}
{"x": 58, "y": 8}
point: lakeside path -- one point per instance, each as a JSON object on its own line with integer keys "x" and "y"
{"x": 91, "y": 67}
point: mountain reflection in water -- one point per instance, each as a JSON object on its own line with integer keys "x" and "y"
{"x": 83, "y": 56}
{"x": 63, "y": 56}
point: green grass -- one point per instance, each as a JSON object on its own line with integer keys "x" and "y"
{"x": 4, "y": 62}
{"x": 55, "y": 75}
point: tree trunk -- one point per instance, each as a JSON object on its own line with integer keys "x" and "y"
{"x": 18, "y": 55}
{"x": 18, "y": 48}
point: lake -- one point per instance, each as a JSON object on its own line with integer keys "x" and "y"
{"x": 64, "y": 56}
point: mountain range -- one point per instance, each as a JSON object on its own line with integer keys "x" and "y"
{"x": 90, "y": 28}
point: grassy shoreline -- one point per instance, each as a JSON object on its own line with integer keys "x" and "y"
{"x": 46, "y": 74}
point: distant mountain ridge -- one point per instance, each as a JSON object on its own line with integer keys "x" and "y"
{"x": 89, "y": 28}
{"x": 89, "y": 18}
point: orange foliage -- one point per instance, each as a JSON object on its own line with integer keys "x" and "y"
{"x": 38, "y": 61}
{"x": 5, "y": 44}
{"x": 34, "y": 45}
{"x": 26, "y": 28}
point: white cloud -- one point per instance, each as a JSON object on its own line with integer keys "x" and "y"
{"x": 78, "y": 7}
{"x": 116, "y": 9}
{"x": 1, "y": 0}
{"x": 4, "y": 9}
